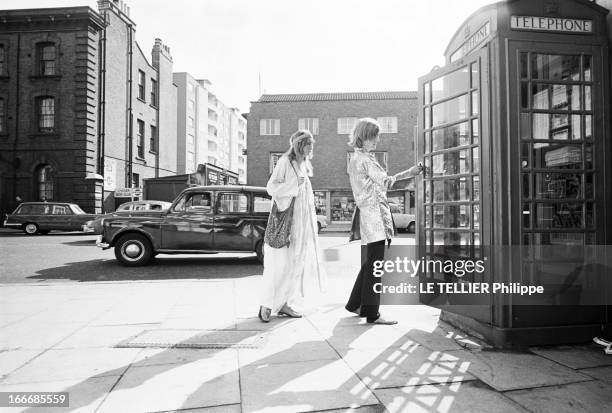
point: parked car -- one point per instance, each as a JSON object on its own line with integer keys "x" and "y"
{"x": 403, "y": 222}
{"x": 201, "y": 220}
{"x": 43, "y": 217}
{"x": 145, "y": 207}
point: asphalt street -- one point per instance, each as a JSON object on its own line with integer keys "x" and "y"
{"x": 65, "y": 257}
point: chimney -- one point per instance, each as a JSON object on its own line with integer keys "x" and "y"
{"x": 159, "y": 48}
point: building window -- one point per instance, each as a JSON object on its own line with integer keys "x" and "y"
{"x": 274, "y": 157}
{"x": 191, "y": 122}
{"x": 269, "y": 127}
{"x": 46, "y": 113}
{"x": 46, "y": 59}
{"x": 345, "y": 125}
{"x": 388, "y": 124}
{"x": 190, "y": 167}
{"x": 140, "y": 139}
{"x": 3, "y": 68}
{"x": 311, "y": 124}
{"x": 153, "y": 139}
{"x": 141, "y": 85}
{"x": 153, "y": 92}
{"x": 2, "y": 116}
{"x": 135, "y": 180}
{"x": 212, "y": 146}
{"x": 44, "y": 182}
{"x": 212, "y": 131}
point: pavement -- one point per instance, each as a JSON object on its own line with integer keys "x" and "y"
{"x": 197, "y": 346}
{"x": 161, "y": 340}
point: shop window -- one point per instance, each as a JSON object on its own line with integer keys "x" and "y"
{"x": 320, "y": 202}
{"x": 45, "y": 182}
{"x": 46, "y": 113}
{"x": 269, "y": 127}
{"x": 47, "y": 59}
{"x": 310, "y": 124}
{"x": 342, "y": 206}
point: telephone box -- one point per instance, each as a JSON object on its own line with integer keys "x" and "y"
{"x": 514, "y": 133}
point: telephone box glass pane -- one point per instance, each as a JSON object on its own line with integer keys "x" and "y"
{"x": 541, "y": 126}
{"x": 540, "y": 96}
{"x": 576, "y": 130}
{"x": 555, "y": 67}
{"x": 587, "y": 98}
{"x": 475, "y": 103}
{"x": 451, "y": 84}
{"x": 558, "y": 186}
{"x": 555, "y": 156}
{"x": 451, "y": 163}
{"x": 451, "y": 190}
{"x": 451, "y": 216}
{"x": 450, "y": 111}
{"x": 587, "y": 68}
{"x": 450, "y": 137}
{"x": 559, "y": 216}
{"x": 475, "y": 133}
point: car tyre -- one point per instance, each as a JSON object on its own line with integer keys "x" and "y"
{"x": 133, "y": 250}
{"x": 30, "y": 228}
{"x": 411, "y": 228}
{"x": 259, "y": 251}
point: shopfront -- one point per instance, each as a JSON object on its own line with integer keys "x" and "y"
{"x": 515, "y": 135}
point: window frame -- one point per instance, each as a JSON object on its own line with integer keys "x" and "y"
{"x": 269, "y": 127}
{"x": 342, "y": 125}
{"x": 40, "y": 116}
{"x": 382, "y": 120}
{"x": 41, "y": 62}
{"x": 142, "y": 85}
{"x": 154, "y": 94}
{"x": 305, "y": 123}
{"x": 140, "y": 138}
{"x": 153, "y": 139}
{"x": 45, "y": 188}
{"x": 219, "y": 196}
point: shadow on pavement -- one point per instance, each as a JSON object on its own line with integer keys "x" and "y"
{"x": 298, "y": 385}
{"x": 164, "y": 268}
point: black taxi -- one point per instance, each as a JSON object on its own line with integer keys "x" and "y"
{"x": 201, "y": 220}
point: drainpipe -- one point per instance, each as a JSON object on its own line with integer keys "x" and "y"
{"x": 17, "y": 100}
{"x": 128, "y": 183}
{"x": 102, "y": 102}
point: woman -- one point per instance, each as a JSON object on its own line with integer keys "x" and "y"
{"x": 370, "y": 182}
{"x": 286, "y": 269}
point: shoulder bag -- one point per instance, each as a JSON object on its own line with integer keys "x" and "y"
{"x": 278, "y": 229}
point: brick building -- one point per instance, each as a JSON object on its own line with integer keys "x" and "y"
{"x": 70, "y": 110}
{"x": 49, "y": 66}
{"x": 209, "y": 132}
{"x": 331, "y": 116}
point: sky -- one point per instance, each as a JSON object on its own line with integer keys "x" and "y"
{"x": 250, "y": 47}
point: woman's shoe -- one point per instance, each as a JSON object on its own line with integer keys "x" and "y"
{"x": 289, "y": 312}
{"x": 264, "y": 314}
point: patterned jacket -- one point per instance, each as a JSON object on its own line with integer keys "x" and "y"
{"x": 369, "y": 182}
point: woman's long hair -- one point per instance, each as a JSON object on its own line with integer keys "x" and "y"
{"x": 364, "y": 130}
{"x": 297, "y": 141}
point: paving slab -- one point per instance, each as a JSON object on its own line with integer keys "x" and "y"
{"x": 228, "y": 408}
{"x": 366, "y": 336}
{"x": 13, "y": 359}
{"x": 161, "y": 356}
{"x": 302, "y": 387}
{"x": 406, "y": 366}
{"x": 600, "y": 373}
{"x": 434, "y": 340}
{"x": 473, "y": 397}
{"x": 375, "y": 408}
{"x": 281, "y": 353}
{"x": 576, "y": 357}
{"x": 203, "y": 383}
{"x": 587, "y": 397}
{"x": 32, "y": 336}
{"x": 84, "y": 395}
{"x": 510, "y": 371}
{"x": 59, "y": 365}
{"x": 101, "y": 336}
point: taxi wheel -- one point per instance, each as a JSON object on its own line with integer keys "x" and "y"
{"x": 133, "y": 250}
{"x": 259, "y": 251}
{"x": 30, "y": 228}
{"x": 410, "y": 228}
